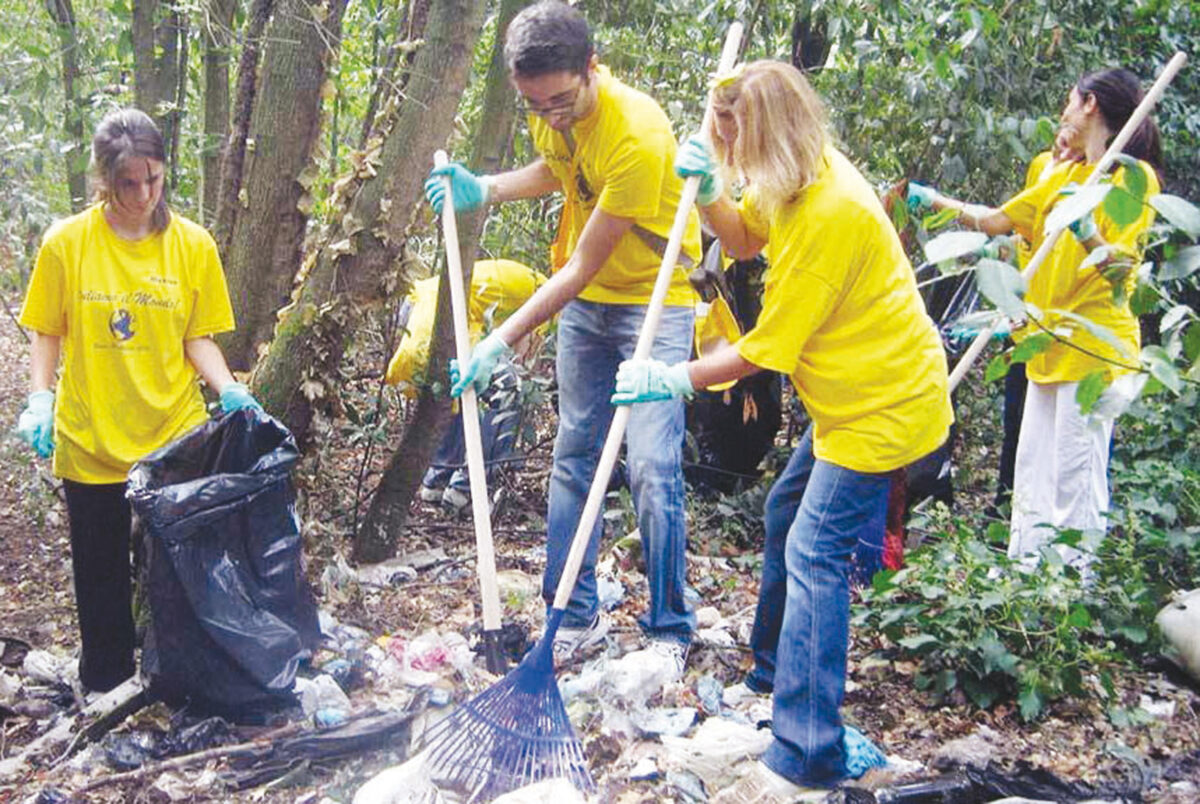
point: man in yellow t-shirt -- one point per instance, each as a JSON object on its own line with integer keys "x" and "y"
{"x": 498, "y": 289}
{"x": 609, "y": 149}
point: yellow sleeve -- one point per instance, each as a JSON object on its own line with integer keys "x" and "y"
{"x": 213, "y": 312}
{"x": 756, "y": 224}
{"x": 45, "y": 310}
{"x": 795, "y": 305}
{"x": 634, "y": 174}
{"x": 1022, "y": 208}
{"x": 1033, "y": 174}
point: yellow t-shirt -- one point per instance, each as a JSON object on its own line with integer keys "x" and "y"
{"x": 1059, "y": 284}
{"x": 498, "y": 288}
{"x": 622, "y": 163}
{"x": 842, "y": 317}
{"x": 123, "y": 310}
{"x": 1038, "y": 168}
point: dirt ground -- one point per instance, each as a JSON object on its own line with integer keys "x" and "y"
{"x": 1075, "y": 741}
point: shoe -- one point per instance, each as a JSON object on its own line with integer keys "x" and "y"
{"x": 672, "y": 650}
{"x": 761, "y": 785}
{"x": 429, "y": 494}
{"x": 455, "y": 499}
{"x": 572, "y": 642}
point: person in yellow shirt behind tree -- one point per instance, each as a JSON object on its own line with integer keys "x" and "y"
{"x": 498, "y": 289}
{"x": 128, "y": 293}
{"x": 843, "y": 319}
{"x": 1061, "y": 473}
{"x": 608, "y": 148}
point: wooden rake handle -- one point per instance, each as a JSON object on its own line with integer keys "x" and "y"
{"x": 662, "y": 283}
{"x": 1050, "y": 237}
{"x": 469, "y": 405}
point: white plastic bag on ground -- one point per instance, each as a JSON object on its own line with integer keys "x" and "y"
{"x": 406, "y": 783}
{"x": 321, "y": 692}
{"x": 714, "y": 751}
{"x": 559, "y": 791}
{"x": 1179, "y": 621}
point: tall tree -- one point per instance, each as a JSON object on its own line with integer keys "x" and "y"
{"x": 357, "y": 265}
{"x": 218, "y": 39}
{"x": 63, "y": 15}
{"x": 159, "y": 33}
{"x": 389, "y": 507}
{"x": 263, "y": 251}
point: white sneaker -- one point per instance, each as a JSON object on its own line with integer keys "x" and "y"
{"x": 761, "y": 785}
{"x": 670, "y": 649}
{"x": 455, "y": 499}
{"x": 572, "y": 642}
{"x": 429, "y": 494}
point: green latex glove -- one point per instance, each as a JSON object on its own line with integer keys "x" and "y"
{"x": 920, "y": 198}
{"x": 1000, "y": 247}
{"x": 470, "y": 191}
{"x": 236, "y": 396}
{"x": 479, "y": 368}
{"x": 695, "y": 159}
{"x": 651, "y": 381}
{"x": 35, "y": 425}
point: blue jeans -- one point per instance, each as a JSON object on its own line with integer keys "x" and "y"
{"x": 815, "y": 515}
{"x": 593, "y": 339}
{"x": 498, "y": 408}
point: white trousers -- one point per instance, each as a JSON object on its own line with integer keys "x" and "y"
{"x": 1061, "y": 476}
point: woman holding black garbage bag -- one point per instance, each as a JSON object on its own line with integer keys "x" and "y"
{"x": 127, "y": 293}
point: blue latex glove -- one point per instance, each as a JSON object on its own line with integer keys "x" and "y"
{"x": 236, "y": 396}
{"x": 470, "y": 191}
{"x": 651, "y": 381}
{"x": 695, "y": 159}
{"x": 35, "y": 425}
{"x": 1000, "y": 247}
{"x": 921, "y": 198}
{"x": 860, "y": 753}
{"x": 479, "y": 368}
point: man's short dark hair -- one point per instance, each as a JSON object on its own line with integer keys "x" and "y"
{"x": 547, "y": 37}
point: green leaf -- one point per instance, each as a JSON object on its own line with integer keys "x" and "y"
{"x": 1185, "y": 262}
{"x": 1133, "y": 179}
{"x": 1174, "y": 317}
{"x": 916, "y": 643}
{"x": 1122, "y": 206}
{"x": 952, "y": 245}
{"x": 1002, "y": 285}
{"x": 939, "y": 219}
{"x": 1143, "y": 300}
{"x": 1031, "y": 703}
{"x": 1135, "y": 634}
{"x": 997, "y": 367}
{"x": 1074, "y": 206}
{"x": 1162, "y": 367}
{"x": 946, "y": 681}
{"x": 1031, "y": 347}
{"x": 1191, "y": 343}
{"x": 1179, "y": 213}
{"x": 1089, "y": 390}
{"x": 1079, "y": 617}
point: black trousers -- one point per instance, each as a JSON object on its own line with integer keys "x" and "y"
{"x": 1014, "y": 407}
{"x": 101, "y": 521}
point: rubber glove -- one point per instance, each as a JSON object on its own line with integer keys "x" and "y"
{"x": 236, "y": 396}
{"x": 35, "y": 425}
{"x": 1000, "y": 247}
{"x": 470, "y": 191}
{"x": 479, "y": 368}
{"x": 651, "y": 381}
{"x": 921, "y": 198}
{"x": 695, "y": 159}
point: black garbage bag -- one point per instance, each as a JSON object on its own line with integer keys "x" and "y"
{"x": 231, "y": 616}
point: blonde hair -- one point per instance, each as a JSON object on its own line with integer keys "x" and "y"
{"x": 781, "y": 124}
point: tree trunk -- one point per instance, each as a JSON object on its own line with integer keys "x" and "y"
{"x": 218, "y": 39}
{"x": 359, "y": 263}
{"x": 375, "y": 541}
{"x": 264, "y": 250}
{"x": 233, "y": 154}
{"x": 76, "y": 158}
{"x": 157, "y": 30}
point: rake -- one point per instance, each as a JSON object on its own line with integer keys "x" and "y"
{"x": 517, "y": 731}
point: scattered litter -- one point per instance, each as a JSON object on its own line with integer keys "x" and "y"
{"x": 646, "y": 769}
{"x": 674, "y": 722}
{"x": 710, "y": 692}
{"x": 48, "y": 668}
{"x": 638, "y": 675}
{"x": 609, "y": 591}
{"x": 321, "y": 692}
{"x": 714, "y": 750}
{"x": 406, "y": 783}
{"x": 718, "y": 637}
{"x": 392, "y": 572}
{"x": 1163, "y": 710}
{"x": 560, "y": 791}
{"x": 13, "y": 650}
{"x": 1179, "y": 621}
{"x": 688, "y": 785}
{"x": 975, "y": 750}
{"x": 708, "y": 617}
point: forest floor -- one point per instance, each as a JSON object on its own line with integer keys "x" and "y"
{"x": 1074, "y": 740}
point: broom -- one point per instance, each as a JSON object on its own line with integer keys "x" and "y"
{"x": 517, "y": 731}
{"x": 493, "y": 652}
{"x": 1051, "y": 236}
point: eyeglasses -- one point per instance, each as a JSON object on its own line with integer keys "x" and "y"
{"x": 562, "y": 103}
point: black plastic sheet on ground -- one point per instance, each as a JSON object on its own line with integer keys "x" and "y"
{"x": 231, "y": 615}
